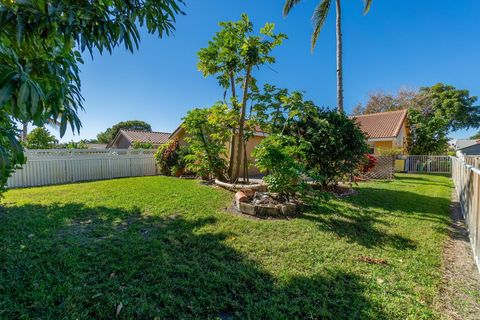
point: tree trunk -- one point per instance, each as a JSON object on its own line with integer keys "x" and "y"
{"x": 241, "y": 124}
{"x": 24, "y": 131}
{"x": 339, "y": 58}
{"x": 232, "y": 140}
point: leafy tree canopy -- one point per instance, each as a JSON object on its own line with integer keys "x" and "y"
{"x": 40, "y": 138}
{"x": 40, "y": 53}
{"x": 109, "y": 134}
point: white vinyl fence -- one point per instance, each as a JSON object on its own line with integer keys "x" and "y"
{"x": 428, "y": 164}
{"x": 467, "y": 183}
{"x": 47, "y": 167}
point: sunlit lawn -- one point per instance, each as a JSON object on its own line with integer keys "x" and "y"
{"x": 163, "y": 247}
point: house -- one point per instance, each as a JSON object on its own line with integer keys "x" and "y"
{"x": 458, "y": 144}
{"x": 126, "y": 138}
{"x": 258, "y": 136}
{"x": 385, "y": 130}
{"x": 467, "y": 148}
{"x": 96, "y": 146}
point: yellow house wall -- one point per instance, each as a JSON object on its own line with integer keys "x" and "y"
{"x": 382, "y": 145}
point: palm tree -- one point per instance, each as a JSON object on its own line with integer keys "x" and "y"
{"x": 318, "y": 19}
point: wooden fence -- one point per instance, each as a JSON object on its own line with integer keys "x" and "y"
{"x": 467, "y": 183}
{"x": 428, "y": 164}
{"x": 47, "y": 167}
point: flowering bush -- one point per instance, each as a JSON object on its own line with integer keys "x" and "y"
{"x": 168, "y": 157}
{"x": 369, "y": 163}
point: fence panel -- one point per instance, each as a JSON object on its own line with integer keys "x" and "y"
{"x": 47, "y": 167}
{"x": 428, "y": 164}
{"x": 467, "y": 183}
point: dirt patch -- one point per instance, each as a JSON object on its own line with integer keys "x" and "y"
{"x": 460, "y": 290}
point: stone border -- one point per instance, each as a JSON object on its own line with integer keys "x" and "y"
{"x": 243, "y": 204}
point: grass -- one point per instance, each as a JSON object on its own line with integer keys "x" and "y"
{"x": 157, "y": 247}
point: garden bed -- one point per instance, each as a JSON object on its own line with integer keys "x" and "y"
{"x": 264, "y": 204}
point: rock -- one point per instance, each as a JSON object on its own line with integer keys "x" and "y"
{"x": 240, "y": 196}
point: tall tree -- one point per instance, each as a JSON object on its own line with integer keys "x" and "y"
{"x": 109, "y": 134}
{"x": 232, "y": 55}
{"x": 40, "y": 138}
{"x": 318, "y": 19}
{"x": 40, "y": 52}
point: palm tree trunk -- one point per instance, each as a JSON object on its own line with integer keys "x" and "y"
{"x": 24, "y": 131}
{"x": 339, "y": 58}
{"x": 241, "y": 124}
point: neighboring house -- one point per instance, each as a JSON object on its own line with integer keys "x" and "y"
{"x": 180, "y": 133}
{"x": 469, "y": 149}
{"x": 458, "y": 144}
{"x": 126, "y": 138}
{"x": 385, "y": 130}
{"x": 96, "y": 145}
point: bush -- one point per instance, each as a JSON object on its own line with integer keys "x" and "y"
{"x": 208, "y": 131}
{"x": 170, "y": 158}
{"x": 336, "y": 145}
{"x": 142, "y": 145}
{"x": 369, "y": 163}
{"x": 281, "y": 158}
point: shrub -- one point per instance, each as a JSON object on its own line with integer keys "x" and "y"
{"x": 208, "y": 131}
{"x": 337, "y": 146}
{"x": 142, "y": 145}
{"x": 281, "y": 158}
{"x": 168, "y": 158}
{"x": 369, "y": 163}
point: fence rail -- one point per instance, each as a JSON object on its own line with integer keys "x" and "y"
{"x": 48, "y": 167}
{"x": 467, "y": 183}
{"x": 428, "y": 164}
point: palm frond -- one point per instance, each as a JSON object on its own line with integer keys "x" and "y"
{"x": 318, "y": 19}
{"x": 367, "y": 5}
{"x": 289, "y": 4}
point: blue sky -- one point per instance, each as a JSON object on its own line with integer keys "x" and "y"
{"x": 398, "y": 44}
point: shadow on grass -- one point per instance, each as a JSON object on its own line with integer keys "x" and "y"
{"x": 72, "y": 261}
{"x": 355, "y": 225}
{"x": 359, "y": 218}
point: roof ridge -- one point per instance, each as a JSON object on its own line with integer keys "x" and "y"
{"x": 129, "y": 130}
{"x": 377, "y": 113}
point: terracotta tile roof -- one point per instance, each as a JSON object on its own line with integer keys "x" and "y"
{"x": 146, "y": 137}
{"x": 382, "y": 125}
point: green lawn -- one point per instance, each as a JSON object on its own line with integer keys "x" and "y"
{"x": 166, "y": 248}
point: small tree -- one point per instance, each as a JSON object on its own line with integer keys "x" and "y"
{"x": 232, "y": 55}
{"x": 282, "y": 159}
{"x": 207, "y": 135}
{"x": 40, "y": 138}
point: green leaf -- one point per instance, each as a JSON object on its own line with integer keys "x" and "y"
{"x": 22, "y": 97}
{"x": 6, "y": 93}
{"x": 63, "y": 125}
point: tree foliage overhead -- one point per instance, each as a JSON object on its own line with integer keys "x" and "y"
{"x": 109, "y": 134}
{"x": 40, "y": 53}
{"x": 40, "y": 138}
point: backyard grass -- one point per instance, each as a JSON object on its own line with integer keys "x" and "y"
{"x": 158, "y": 247}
